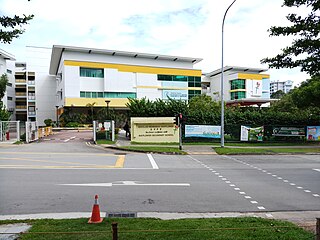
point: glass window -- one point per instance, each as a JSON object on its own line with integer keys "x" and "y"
{"x": 119, "y": 95}
{"x": 190, "y": 84}
{"x": 82, "y": 94}
{"x": 190, "y": 79}
{"x": 238, "y": 84}
{"x": 180, "y": 78}
{"x": 238, "y": 95}
{"x": 94, "y": 95}
{"x": 197, "y": 79}
{"x": 100, "y": 94}
{"x": 91, "y": 72}
{"x": 88, "y": 94}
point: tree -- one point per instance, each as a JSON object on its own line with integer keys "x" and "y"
{"x": 15, "y": 27}
{"x": 277, "y": 95}
{"x": 305, "y": 49}
{"x": 3, "y": 85}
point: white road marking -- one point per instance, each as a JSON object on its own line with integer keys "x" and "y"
{"x": 316, "y": 195}
{"x": 261, "y": 208}
{"x": 126, "y": 183}
{"x": 152, "y": 161}
{"x": 318, "y": 170}
{"x": 237, "y": 189}
{"x": 67, "y": 140}
{"x": 292, "y": 184}
{"x": 254, "y": 202}
{"x": 307, "y": 191}
{"x": 232, "y": 185}
{"x": 299, "y": 187}
{"x": 269, "y": 215}
{"x": 247, "y": 197}
{"x": 243, "y": 193}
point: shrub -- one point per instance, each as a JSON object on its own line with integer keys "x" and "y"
{"x": 48, "y": 122}
{"x": 72, "y": 124}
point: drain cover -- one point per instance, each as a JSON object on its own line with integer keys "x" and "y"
{"x": 121, "y": 215}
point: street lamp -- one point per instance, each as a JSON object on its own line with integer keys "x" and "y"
{"x": 57, "y": 113}
{"x": 107, "y": 102}
{"x": 222, "y": 83}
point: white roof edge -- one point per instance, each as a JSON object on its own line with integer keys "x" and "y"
{"x": 58, "y": 49}
{"x": 236, "y": 68}
{"x": 6, "y": 55}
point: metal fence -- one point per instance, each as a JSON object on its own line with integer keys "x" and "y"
{"x": 9, "y": 131}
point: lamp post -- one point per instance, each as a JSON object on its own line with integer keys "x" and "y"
{"x": 222, "y": 79}
{"x": 57, "y": 113}
{"x": 107, "y": 102}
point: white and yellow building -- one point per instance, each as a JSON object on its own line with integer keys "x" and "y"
{"x": 88, "y": 75}
{"x": 242, "y": 86}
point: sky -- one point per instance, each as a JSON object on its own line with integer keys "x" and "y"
{"x": 185, "y": 28}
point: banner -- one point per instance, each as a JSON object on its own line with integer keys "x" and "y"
{"x": 288, "y": 131}
{"x": 313, "y": 133}
{"x": 252, "y": 134}
{"x": 203, "y": 131}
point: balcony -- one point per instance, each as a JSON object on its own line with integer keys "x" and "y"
{"x": 20, "y": 108}
{"x": 21, "y": 94}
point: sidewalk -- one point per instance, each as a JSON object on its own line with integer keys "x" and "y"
{"x": 190, "y": 149}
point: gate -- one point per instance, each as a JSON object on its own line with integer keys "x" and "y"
{"x": 31, "y": 131}
{"x": 9, "y": 131}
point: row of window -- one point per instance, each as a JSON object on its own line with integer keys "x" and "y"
{"x": 193, "y": 93}
{"x": 238, "y": 84}
{"x": 92, "y": 72}
{"x": 107, "y": 95}
{"x": 238, "y": 95}
{"x": 179, "y": 78}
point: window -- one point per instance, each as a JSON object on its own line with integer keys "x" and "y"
{"x": 238, "y": 95}
{"x": 9, "y": 84}
{"x": 120, "y": 95}
{"x": 82, "y": 94}
{"x": 9, "y": 71}
{"x": 91, "y": 72}
{"x": 9, "y": 98}
{"x": 238, "y": 84}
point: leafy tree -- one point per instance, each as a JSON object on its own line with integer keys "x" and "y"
{"x": 3, "y": 85}
{"x": 4, "y": 114}
{"x": 305, "y": 49}
{"x": 11, "y": 27}
{"x": 277, "y": 95}
{"x": 308, "y": 94}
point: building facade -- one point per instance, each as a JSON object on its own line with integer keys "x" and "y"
{"x": 242, "y": 86}
{"x": 7, "y": 67}
{"x": 284, "y": 86}
{"x": 92, "y": 76}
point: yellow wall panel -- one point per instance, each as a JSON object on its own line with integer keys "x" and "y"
{"x": 134, "y": 68}
{"x": 252, "y": 76}
{"x": 99, "y": 102}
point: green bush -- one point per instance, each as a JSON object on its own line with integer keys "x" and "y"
{"x": 23, "y": 137}
{"x": 101, "y": 135}
{"x": 48, "y": 122}
{"x": 72, "y": 124}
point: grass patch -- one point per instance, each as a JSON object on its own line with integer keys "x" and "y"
{"x": 155, "y": 229}
{"x": 257, "y": 144}
{"x": 230, "y": 151}
{"x": 18, "y": 142}
{"x": 104, "y": 141}
{"x": 155, "y": 149}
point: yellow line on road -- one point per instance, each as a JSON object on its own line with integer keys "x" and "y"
{"x": 119, "y": 164}
{"x": 54, "y": 153}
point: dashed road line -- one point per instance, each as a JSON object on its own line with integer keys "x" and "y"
{"x": 276, "y": 176}
{"x": 220, "y": 176}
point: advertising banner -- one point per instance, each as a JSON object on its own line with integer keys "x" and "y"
{"x": 313, "y": 133}
{"x": 288, "y": 131}
{"x": 252, "y": 134}
{"x": 203, "y": 131}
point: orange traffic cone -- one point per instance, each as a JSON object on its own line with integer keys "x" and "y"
{"x": 95, "y": 216}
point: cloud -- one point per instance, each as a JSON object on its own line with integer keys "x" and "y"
{"x": 180, "y": 27}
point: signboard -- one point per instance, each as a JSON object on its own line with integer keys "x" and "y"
{"x": 177, "y": 93}
{"x": 203, "y": 131}
{"x": 252, "y": 134}
{"x": 288, "y": 131}
{"x": 160, "y": 129}
{"x": 313, "y": 133}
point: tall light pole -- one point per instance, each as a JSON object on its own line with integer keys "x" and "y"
{"x": 222, "y": 78}
{"x": 107, "y": 102}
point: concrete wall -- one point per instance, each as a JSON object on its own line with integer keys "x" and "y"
{"x": 38, "y": 61}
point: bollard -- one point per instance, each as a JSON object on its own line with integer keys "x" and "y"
{"x": 318, "y": 229}
{"x": 114, "y": 231}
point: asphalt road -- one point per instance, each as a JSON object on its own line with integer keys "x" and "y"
{"x": 63, "y": 176}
